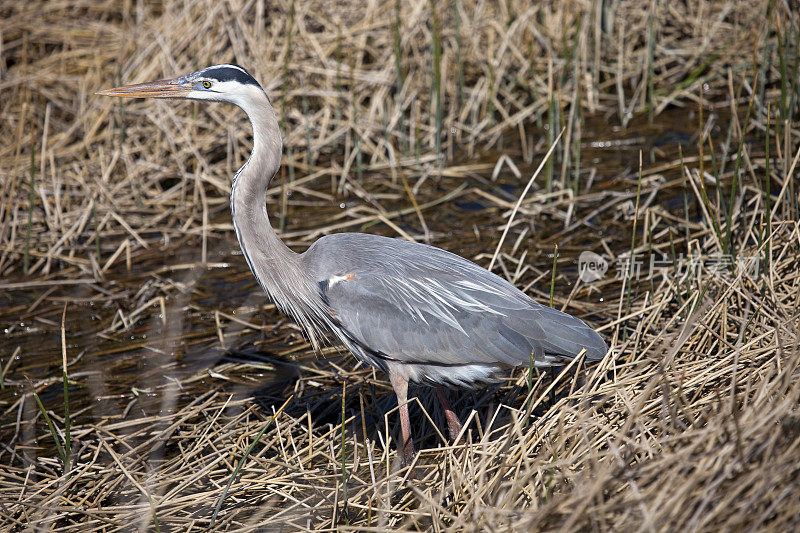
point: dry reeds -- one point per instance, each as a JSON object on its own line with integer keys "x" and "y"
{"x": 169, "y": 394}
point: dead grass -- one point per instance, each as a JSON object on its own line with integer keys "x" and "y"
{"x": 176, "y": 363}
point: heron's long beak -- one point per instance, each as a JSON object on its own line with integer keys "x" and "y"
{"x": 172, "y": 88}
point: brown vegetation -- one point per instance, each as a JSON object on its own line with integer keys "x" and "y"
{"x": 424, "y": 119}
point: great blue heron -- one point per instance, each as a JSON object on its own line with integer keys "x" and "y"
{"x": 417, "y": 312}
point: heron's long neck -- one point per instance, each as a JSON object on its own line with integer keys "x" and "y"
{"x": 276, "y": 267}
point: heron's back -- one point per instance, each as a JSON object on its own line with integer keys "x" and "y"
{"x": 435, "y": 316}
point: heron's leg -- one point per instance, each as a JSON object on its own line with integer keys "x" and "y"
{"x": 400, "y": 385}
{"x": 453, "y": 423}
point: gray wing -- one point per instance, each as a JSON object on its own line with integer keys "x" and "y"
{"x": 415, "y": 303}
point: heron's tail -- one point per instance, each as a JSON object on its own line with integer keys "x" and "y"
{"x": 565, "y": 336}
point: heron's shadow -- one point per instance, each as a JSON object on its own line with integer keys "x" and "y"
{"x": 370, "y": 408}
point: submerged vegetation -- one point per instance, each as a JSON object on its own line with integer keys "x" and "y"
{"x": 145, "y": 380}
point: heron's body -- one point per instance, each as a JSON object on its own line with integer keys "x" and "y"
{"x": 417, "y": 312}
{"x": 434, "y": 317}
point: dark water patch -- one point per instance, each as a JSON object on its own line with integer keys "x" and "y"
{"x": 470, "y": 206}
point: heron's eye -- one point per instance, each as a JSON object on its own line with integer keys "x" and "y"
{"x": 207, "y": 84}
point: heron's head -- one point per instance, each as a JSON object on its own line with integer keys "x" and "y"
{"x": 220, "y": 83}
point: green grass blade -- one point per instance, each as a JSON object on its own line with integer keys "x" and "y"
{"x": 50, "y": 425}
{"x": 247, "y": 453}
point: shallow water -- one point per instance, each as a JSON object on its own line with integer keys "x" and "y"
{"x": 171, "y": 320}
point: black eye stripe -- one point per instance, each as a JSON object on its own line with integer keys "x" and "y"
{"x": 229, "y": 74}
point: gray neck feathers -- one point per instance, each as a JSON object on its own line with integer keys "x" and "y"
{"x": 277, "y": 268}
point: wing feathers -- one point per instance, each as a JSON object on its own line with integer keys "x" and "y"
{"x": 419, "y": 304}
